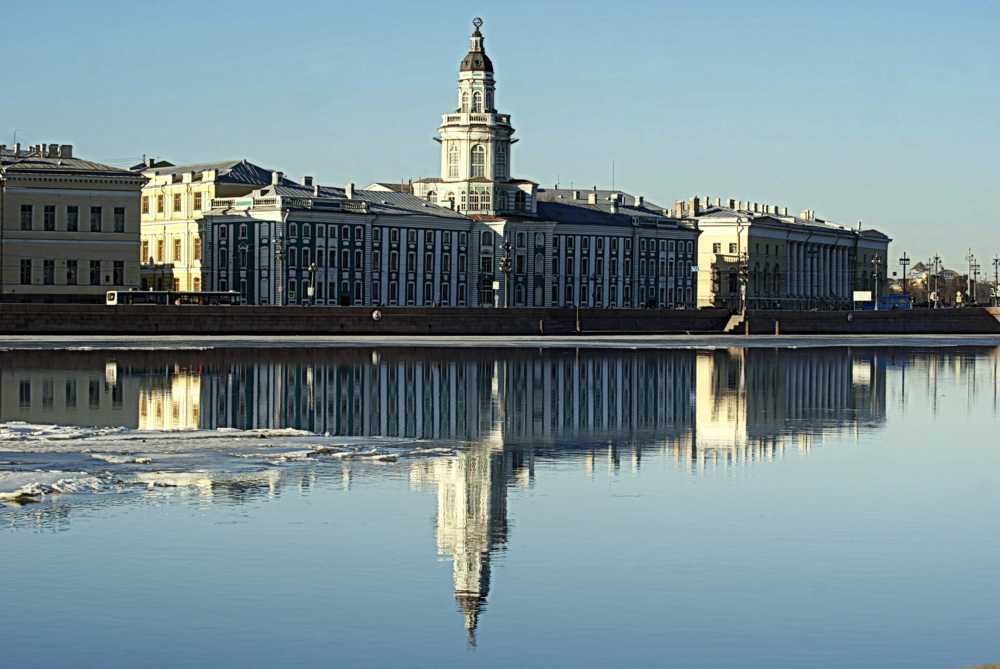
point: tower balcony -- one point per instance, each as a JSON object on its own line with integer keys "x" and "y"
{"x": 476, "y": 119}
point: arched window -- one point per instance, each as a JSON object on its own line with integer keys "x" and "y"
{"x": 520, "y": 201}
{"x": 477, "y": 103}
{"x": 569, "y": 296}
{"x": 432, "y": 197}
{"x": 501, "y": 200}
{"x": 539, "y": 239}
{"x": 539, "y": 263}
{"x": 243, "y": 230}
{"x": 519, "y": 294}
{"x": 450, "y": 197}
{"x": 501, "y": 162}
{"x": 465, "y": 103}
{"x": 522, "y": 240}
{"x": 489, "y": 103}
{"x": 453, "y": 162}
{"x": 487, "y": 238}
{"x": 478, "y": 161}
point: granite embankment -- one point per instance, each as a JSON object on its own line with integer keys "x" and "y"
{"x": 69, "y": 319}
{"x": 198, "y": 320}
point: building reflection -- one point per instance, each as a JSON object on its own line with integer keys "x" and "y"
{"x": 505, "y": 409}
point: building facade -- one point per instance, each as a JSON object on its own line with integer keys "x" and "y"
{"x": 69, "y": 228}
{"x": 762, "y": 256}
{"x": 475, "y": 237}
{"x": 173, "y": 203}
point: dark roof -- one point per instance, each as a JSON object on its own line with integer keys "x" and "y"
{"x": 581, "y": 213}
{"x": 727, "y": 213}
{"x": 33, "y": 161}
{"x": 227, "y": 172}
{"x": 379, "y": 202}
{"x": 604, "y": 196}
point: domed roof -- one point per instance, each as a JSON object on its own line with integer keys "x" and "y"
{"x": 476, "y": 60}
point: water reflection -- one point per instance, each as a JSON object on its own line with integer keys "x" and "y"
{"x": 702, "y": 409}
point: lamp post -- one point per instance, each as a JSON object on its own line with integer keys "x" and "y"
{"x": 876, "y": 276}
{"x": 996, "y": 279}
{"x": 280, "y": 248}
{"x": 904, "y": 262}
{"x": 312, "y": 283}
{"x": 975, "y": 279}
{"x": 506, "y": 266}
{"x": 743, "y": 276}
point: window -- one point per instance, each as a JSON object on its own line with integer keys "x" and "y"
{"x": 72, "y": 272}
{"x": 585, "y": 243}
{"x": 376, "y": 260}
{"x": 26, "y": 217}
{"x": 428, "y": 262}
{"x": 486, "y": 239}
{"x": 628, "y": 244}
{"x": 539, "y": 263}
{"x": 428, "y": 292}
{"x": 72, "y": 219}
{"x": 95, "y": 272}
{"x": 411, "y": 292}
{"x": 411, "y": 236}
{"x": 177, "y": 203}
{"x": 614, "y": 243}
{"x": 465, "y": 103}
{"x": 49, "y": 217}
{"x": 357, "y": 260}
{"x": 432, "y": 197}
{"x": 393, "y": 291}
{"x": 522, "y": 240}
{"x": 429, "y": 237}
{"x": 145, "y": 205}
{"x": 96, "y": 216}
{"x": 197, "y": 201}
{"x": 453, "y": 159}
{"x": 243, "y": 258}
{"x": 642, "y": 244}
{"x": 293, "y": 230}
{"x": 717, "y": 247}
{"x": 732, "y": 248}
{"x": 196, "y": 283}
{"x": 689, "y": 247}
{"x": 555, "y": 266}
{"x": 600, "y": 265}
{"x": 628, "y": 267}
{"x": 394, "y": 235}
{"x": 569, "y": 295}
{"x": 486, "y": 264}
{"x": 223, "y": 231}
{"x": 519, "y": 264}
{"x": 197, "y": 248}
{"x": 445, "y": 293}
{"x": 119, "y": 219}
{"x": 461, "y": 263}
{"x": 501, "y": 162}
{"x": 26, "y": 271}
{"x": 376, "y": 292}
{"x": 642, "y": 268}
{"x": 393, "y": 262}
{"x": 359, "y": 234}
{"x": 345, "y": 259}
{"x": 478, "y": 161}
{"x": 161, "y": 205}
{"x": 463, "y": 238}
{"x": 614, "y": 266}
{"x": 489, "y": 102}
{"x": 520, "y": 201}
{"x": 159, "y": 250}
{"x": 585, "y": 266}
{"x": 305, "y": 257}
{"x": 224, "y": 258}
{"x": 670, "y": 246}
{"x": 118, "y": 273}
{"x": 477, "y": 102}
{"x": 519, "y": 294}
{"x": 569, "y": 267}
{"x": 177, "y": 250}
{"x": 411, "y": 262}
{"x": 461, "y": 293}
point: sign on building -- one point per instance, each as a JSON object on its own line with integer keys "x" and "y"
{"x": 862, "y": 296}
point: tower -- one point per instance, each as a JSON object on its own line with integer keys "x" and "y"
{"x": 476, "y": 145}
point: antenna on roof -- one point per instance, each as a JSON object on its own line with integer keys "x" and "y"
{"x": 612, "y": 175}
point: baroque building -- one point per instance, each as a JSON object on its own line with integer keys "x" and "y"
{"x": 69, "y": 228}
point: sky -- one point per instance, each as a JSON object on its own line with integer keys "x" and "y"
{"x": 879, "y": 112}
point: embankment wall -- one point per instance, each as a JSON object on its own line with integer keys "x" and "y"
{"x": 972, "y": 320}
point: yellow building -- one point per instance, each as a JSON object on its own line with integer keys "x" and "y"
{"x": 173, "y": 235}
{"x": 762, "y": 257}
{"x": 69, "y": 228}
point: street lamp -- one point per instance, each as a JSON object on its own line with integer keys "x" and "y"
{"x": 936, "y": 264}
{"x": 280, "y": 248}
{"x": 904, "y": 262}
{"x": 996, "y": 279}
{"x": 312, "y": 283}
{"x": 876, "y": 276}
{"x": 506, "y": 266}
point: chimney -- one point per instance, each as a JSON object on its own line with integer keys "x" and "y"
{"x": 784, "y": 211}
{"x": 149, "y": 162}
{"x": 859, "y": 226}
{"x": 591, "y": 198}
{"x": 731, "y": 203}
{"x": 315, "y": 190}
{"x": 695, "y": 206}
{"x": 576, "y": 195}
{"x": 614, "y": 205}
{"x": 53, "y": 150}
{"x": 307, "y": 181}
{"x": 638, "y": 201}
{"x": 276, "y": 178}
{"x": 679, "y": 209}
{"x": 17, "y": 149}
{"x": 349, "y": 191}
{"x": 66, "y": 151}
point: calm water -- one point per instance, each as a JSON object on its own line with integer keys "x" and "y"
{"x": 756, "y": 508}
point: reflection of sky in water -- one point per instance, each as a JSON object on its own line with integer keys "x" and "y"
{"x": 573, "y": 530}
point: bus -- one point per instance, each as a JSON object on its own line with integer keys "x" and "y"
{"x": 165, "y": 297}
{"x": 889, "y": 302}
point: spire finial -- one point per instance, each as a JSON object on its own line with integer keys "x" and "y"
{"x": 478, "y": 22}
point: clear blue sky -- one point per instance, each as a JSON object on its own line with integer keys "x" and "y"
{"x": 883, "y": 112}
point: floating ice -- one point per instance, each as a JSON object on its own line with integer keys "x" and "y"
{"x": 121, "y": 459}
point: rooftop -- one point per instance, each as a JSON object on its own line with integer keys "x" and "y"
{"x": 55, "y": 159}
